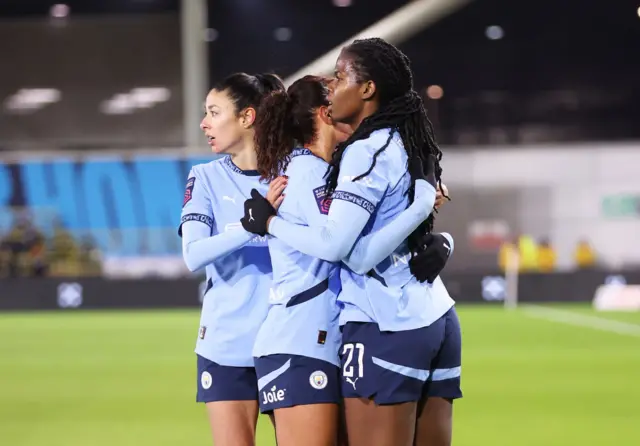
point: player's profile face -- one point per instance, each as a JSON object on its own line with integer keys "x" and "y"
{"x": 345, "y": 96}
{"x": 221, "y": 124}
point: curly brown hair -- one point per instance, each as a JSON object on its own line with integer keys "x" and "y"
{"x": 285, "y": 119}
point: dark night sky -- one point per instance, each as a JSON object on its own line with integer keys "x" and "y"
{"x": 571, "y": 63}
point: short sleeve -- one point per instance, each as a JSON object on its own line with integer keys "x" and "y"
{"x": 366, "y": 192}
{"x": 312, "y": 199}
{"x": 196, "y": 205}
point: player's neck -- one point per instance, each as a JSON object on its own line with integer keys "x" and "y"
{"x": 246, "y": 158}
{"x": 322, "y": 147}
{"x": 369, "y": 109}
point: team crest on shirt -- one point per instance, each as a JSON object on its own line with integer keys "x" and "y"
{"x": 322, "y": 200}
{"x": 188, "y": 193}
{"x": 318, "y": 380}
{"x": 206, "y": 380}
{"x": 202, "y": 332}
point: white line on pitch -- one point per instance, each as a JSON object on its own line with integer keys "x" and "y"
{"x": 581, "y": 320}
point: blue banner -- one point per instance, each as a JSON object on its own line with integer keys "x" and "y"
{"x": 128, "y": 206}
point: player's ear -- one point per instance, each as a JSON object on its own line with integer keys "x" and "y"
{"x": 247, "y": 117}
{"x": 323, "y": 114}
{"x": 367, "y": 90}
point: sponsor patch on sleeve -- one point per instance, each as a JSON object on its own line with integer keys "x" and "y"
{"x": 323, "y": 202}
{"x": 188, "y": 193}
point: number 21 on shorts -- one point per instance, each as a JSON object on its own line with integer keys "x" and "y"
{"x": 351, "y": 350}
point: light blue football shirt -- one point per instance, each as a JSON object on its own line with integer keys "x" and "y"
{"x": 303, "y": 314}
{"x": 237, "y": 263}
{"x": 390, "y": 296}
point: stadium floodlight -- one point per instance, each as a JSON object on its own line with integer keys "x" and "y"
{"x": 435, "y": 92}
{"x": 59, "y": 11}
{"x": 31, "y": 99}
{"x": 395, "y": 28}
{"x": 282, "y": 34}
{"x": 135, "y": 99}
{"x": 494, "y": 32}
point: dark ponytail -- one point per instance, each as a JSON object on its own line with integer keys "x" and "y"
{"x": 287, "y": 118}
{"x": 270, "y": 82}
{"x": 247, "y": 91}
{"x": 274, "y": 134}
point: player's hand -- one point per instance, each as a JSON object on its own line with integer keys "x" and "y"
{"x": 442, "y": 196}
{"x": 275, "y": 195}
{"x": 257, "y": 211}
{"x": 432, "y": 257}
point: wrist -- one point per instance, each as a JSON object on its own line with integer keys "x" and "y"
{"x": 269, "y": 220}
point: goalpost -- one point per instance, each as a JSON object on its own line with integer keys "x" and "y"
{"x": 511, "y": 279}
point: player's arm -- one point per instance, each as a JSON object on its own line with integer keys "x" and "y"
{"x": 351, "y": 207}
{"x": 199, "y": 247}
{"x": 377, "y": 246}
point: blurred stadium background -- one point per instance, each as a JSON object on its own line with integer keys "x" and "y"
{"x": 535, "y": 105}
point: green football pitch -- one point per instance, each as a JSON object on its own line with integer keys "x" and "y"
{"x": 559, "y": 376}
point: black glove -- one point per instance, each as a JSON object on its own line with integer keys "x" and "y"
{"x": 432, "y": 258}
{"x": 424, "y": 170}
{"x": 257, "y": 211}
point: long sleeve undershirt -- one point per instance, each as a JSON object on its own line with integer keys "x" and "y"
{"x": 334, "y": 240}
{"x": 199, "y": 248}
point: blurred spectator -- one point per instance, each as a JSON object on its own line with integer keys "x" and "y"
{"x": 584, "y": 255}
{"x": 522, "y": 250}
{"x": 546, "y": 257}
{"x": 37, "y": 255}
{"x": 90, "y": 257}
{"x": 5, "y": 258}
{"x": 64, "y": 254}
{"x": 508, "y": 253}
{"x": 22, "y": 250}
{"x": 26, "y": 252}
{"x": 525, "y": 251}
{"x": 528, "y": 253}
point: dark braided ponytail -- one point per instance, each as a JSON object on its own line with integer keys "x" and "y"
{"x": 400, "y": 109}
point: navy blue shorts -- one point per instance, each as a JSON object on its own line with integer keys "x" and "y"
{"x": 292, "y": 380}
{"x": 225, "y": 383}
{"x": 402, "y": 366}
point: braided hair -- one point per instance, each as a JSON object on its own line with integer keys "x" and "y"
{"x": 400, "y": 109}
